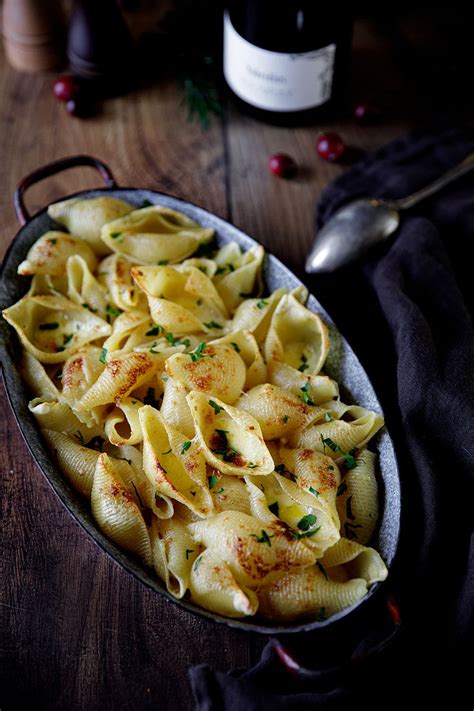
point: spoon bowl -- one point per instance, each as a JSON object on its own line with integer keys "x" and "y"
{"x": 351, "y": 231}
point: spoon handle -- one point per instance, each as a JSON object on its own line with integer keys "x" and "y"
{"x": 456, "y": 172}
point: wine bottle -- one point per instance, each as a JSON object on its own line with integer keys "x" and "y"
{"x": 287, "y": 61}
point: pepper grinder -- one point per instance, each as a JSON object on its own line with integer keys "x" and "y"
{"x": 99, "y": 44}
{"x": 33, "y": 34}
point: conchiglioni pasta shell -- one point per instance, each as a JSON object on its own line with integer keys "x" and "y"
{"x": 320, "y": 387}
{"x": 306, "y": 593}
{"x": 345, "y": 435}
{"x": 358, "y": 505}
{"x": 234, "y": 538}
{"x": 255, "y": 315}
{"x": 175, "y": 408}
{"x": 229, "y": 493}
{"x": 296, "y": 336}
{"x": 114, "y": 273}
{"x": 245, "y": 344}
{"x": 220, "y": 372}
{"x": 248, "y": 453}
{"x": 86, "y": 217}
{"x": 174, "y": 552}
{"x": 120, "y": 376}
{"x": 154, "y": 234}
{"x": 83, "y": 287}
{"x": 243, "y": 280}
{"x": 116, "y": 512}
{"x": 359, "y": 561}
{"x": 37, "y": 378}
{"x": 214, "y": 587}
{"x": 122, "y": 425}
{"x": 277, "y": 412}
{"x": 50, "y": 253}
{"x": 52, "y": 328}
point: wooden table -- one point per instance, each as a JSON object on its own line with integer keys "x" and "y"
{"x": 77, "y": 631}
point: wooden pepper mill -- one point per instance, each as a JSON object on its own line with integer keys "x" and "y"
{"x": 33, "y": 34}
{"x": 99, "y": 44}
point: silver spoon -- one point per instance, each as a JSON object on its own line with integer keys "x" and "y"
{"x": 359, "y": 225}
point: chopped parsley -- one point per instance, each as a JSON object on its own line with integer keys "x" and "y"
{"x": 341, "y": 488}
{"x": 304, "y": 364}
{"x": 188, "y": 551}
{"x": 349, "y": 513}
{"x": 224, "y": 449}
{"x": 155, "y": 330}
{"x": 163, "y": 262}
{"x": 103, "y": 355}
{"x": 274, "y": 508}
{"x": 214, "y": 405}
{"x": 52, "y": 240}
{"x": 261, "y": 304}
{"x": 66, "y": 339}
{"x": 174, "y": 341}
{"x": 150, "y": 398}
{"x": 350, "y": 460}
{"x": 264, "y": 538}
{"x": 113, "y": 312}
{"x": 212, "y": 480}
{"x": 51, "y": 326}
{"x": 220, "y": 491}
{"x": 235, "y": 347}
{"x": 115, "y": 235}
{"x": 168, "y": 452}
{"x": 212, "y": 324}
{"x": 315, "y": 492}
{"x": 305, "y": 396}
{"x": 306, "y": 522}
{"x": 252, "y": 465}
{"x": 245, "y": 294}
{"x": 86, "y": 306}
{"x": 185, "y": 446}
{"x": 198, "y": 353}
{"x": 328, "y": 417}
{"x": 285, "y": 418}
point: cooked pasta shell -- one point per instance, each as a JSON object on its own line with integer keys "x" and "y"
{"x": 175, "y": 408}
{"x": 228, "y": 258}
{"x": 83, "y": 287}
{"x": 37, "y": 378}
{"x": 50, "y": 253}
{"x": 214, "y": 587}
{"x": 176, "y": 470}
{"x": 319, "y": 388}
{"x": 359, "y": 561}
{"x": 277, "y": 412}
{"x": 338, "y": 436}
{"x": 86, "y": 217}
{"x": 76, "y": 460}
{"x": 114, "y": 273}
{"x": 59, "y": 417}
{"x": 244, "y": 343}
{"x": 116, "y": 512}
{"x": 357, "y": 503}
{"x": 314, "y": 471}
{"x": 231, "y": 439}
{"x": 220, "y": 371}
{"x": 120, "y": 376}
{"x": 228, "y": 492}
{"x": 206, "y": 266}
{"x": 296, "y": 336}
{"x": 255, "y": 552}
{"x": 155, "y": 234}
{"x": 52, "y": 327}
{"x": 306, "y": 593}
{"x": 129, "y": 330}
{"x": 122, "y": 425}
{"x": 79, "y": 372}
{"x": 255, "y": 315}
{"x": 174, "y": 552}
{"x": 245, "y": 279}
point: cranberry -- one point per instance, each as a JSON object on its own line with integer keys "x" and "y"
{"x": 330, "y": 146}
{"x": 282, "y": 165}
{"x": 66, "y": 88}
{"x": 365, "y": 112}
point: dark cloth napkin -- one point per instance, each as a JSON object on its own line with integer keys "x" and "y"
{"x": 407, "y": 312}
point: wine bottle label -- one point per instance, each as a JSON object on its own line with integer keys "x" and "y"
{"x": 277, "y": 81}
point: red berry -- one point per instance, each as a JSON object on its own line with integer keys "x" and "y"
{"x": 282, "y": 165}
{"x": 66, "y": 88}
{"x": 365, "y": 112}
{"x": 330, "y": 146}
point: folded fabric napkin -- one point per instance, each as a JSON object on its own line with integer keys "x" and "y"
{"x": 407, "y": 312}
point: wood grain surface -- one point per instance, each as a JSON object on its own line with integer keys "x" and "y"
{"x": 77, "y": 631}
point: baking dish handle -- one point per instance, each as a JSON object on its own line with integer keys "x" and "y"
{"x": 51, "y": 169}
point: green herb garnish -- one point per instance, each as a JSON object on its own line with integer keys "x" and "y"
{"x": 212, "y": 324}
{"x": 245, "y": 294}
{"x": 163, "y": 262}
{"x": 51, "y": 326}
{"x": 115, "y": 235}
{"x": 89, "y": 308}
{"x": 185, "y": 446}
{"x": 113, "y": 312}
{"x": 315, "y": 492}
{"x": 198, "y": 353}
{"x": 341, "y": 488}
{"x": 265, "y": 538}
{"x": 350, "y": 460}
{"x": 261, "y": 304}
{"x": 52, "y": 240}
{"x": 216, "y": 407}
{"x": 235, "y": 347}
{"x": 285, "y": 418}
{"x": 103, "y": 355}
{"x": 67, "y": 339}
{"x": 188, "y": 551}
{"x": 306, "y": 522}
{"x": 349, "y": 513}
{"x": 212, "y": 480}
{"x": 328, "y": 417}
{"x": 305, "y": 396}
